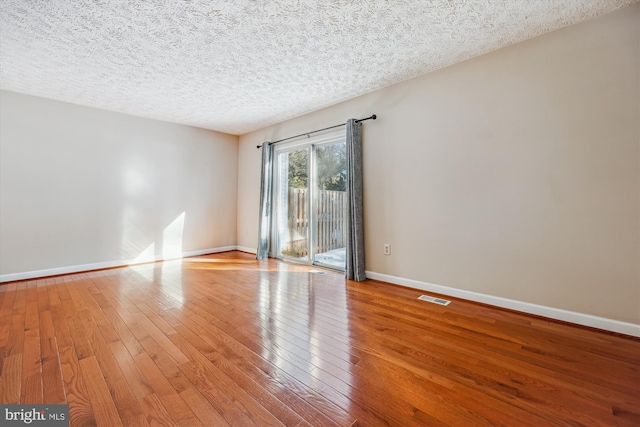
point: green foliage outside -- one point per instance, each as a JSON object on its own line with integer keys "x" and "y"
{"x": 331, "y": 163}
{"x": 298, "y": 169}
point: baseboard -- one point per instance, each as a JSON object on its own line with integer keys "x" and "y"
{"x": 209, "y": 251}
{"x": 102, "y": 265}
{"x": 247, "y": 249}
{"x": 539, "y": 310}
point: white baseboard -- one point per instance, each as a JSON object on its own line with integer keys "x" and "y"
{"x": 209, "y": 251}
{"x": 101, "y": 265}
{"x": 539, "y": 310}
{"x": 247, "y": 249}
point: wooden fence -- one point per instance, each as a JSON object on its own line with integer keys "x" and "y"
{"x": 331, "y": 221}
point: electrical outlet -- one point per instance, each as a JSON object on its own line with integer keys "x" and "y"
{"x": 387, "y": 249}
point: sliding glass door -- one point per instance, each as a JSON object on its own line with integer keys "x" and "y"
{"x": 310, "y": 202}
{"x": 330, "y": 207}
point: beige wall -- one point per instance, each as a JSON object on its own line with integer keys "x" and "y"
{"x": 515, "y": 174}
{"x": 82, "y": 186}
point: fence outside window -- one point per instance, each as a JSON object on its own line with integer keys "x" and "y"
{"x": 331, "y": 216}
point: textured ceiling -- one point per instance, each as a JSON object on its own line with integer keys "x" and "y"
{"x": 240, "y": 65}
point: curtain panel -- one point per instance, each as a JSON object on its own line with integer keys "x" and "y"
{"x": 355, "y": 217}
{"x": 264, "y": 226}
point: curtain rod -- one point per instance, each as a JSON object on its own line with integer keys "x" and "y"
{"x": 373, "y": 117}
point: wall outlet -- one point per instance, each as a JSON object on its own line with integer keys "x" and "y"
{"x": 387, "y": 249}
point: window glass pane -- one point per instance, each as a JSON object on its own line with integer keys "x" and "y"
{"x": 293, "y": 205}
{"x": 330, "y": 205}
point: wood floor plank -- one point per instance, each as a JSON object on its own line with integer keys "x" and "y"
{"x": 161, "y": 339}
{"x": 96, "y": 313}
{"x": 216, "y": 396}
{"x": 205, "y": 412}
{"x": 15, "y": 339}
{"x": 61, "y": 326}
{"x": 20, "y": 302}
{"x": 12, "y": 320}
{"x": 10, "y": 379}
{"x": 79, "y": 336}
{"x": 111, "y": 286}
{"x": 123, "y": 332}
{"x": 129, "y": 408}
{"x": 157, "y": 320}
{"x": 80, "y": 410}
{"x": 66, "y": 301}
{"x": 31, "y": 392}
{"x": 54, "y": 296}
{"x": 138, "y": 384}
{"x": 31, "y": 320}
{"x": 31, "y": 368}
{"x": 43, "y": 295}
{"x": 169, "y": 367}
{"x": 74, "y": 294}
{"x": 52, "y": 384}
{"x": 132, "y": 412}
{"x": 157, "y": 414}
{"x": 103, "y": 406}
{"x": 172, "y": 401}
{"x": 5, "y": 317}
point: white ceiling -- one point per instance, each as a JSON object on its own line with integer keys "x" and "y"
{"x": 240, "y": 65}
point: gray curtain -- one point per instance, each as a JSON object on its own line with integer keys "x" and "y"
{"x": 355, "y": 224}
{"x": 264, "y": 227}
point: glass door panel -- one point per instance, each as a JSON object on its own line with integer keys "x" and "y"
{"x": 330, "y": 205}
{"x": 293, "y": 205}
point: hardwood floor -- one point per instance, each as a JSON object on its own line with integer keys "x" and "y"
{"x": 225, "y": 340}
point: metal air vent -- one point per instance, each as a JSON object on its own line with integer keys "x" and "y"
{"x": 434, "y": 300}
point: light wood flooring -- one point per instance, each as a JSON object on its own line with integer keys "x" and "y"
{"x": 225, "y": 340}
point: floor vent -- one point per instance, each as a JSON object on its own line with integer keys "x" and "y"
{"x": 317, "y": 272}
{"x": 434, "y": 300}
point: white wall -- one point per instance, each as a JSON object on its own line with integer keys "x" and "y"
{"x": 85, "y": 186}
{"x": 515, "y": 174}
